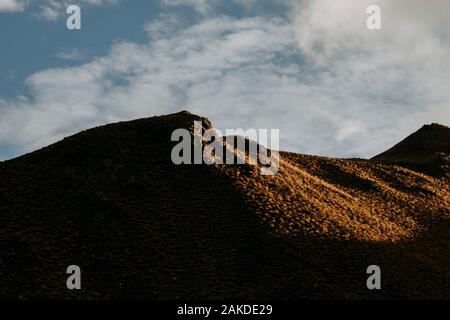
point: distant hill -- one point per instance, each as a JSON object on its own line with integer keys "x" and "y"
{"x": 111, "y": 201}
{"x": 423, "y": 145}
{"x": 425, "y": 150}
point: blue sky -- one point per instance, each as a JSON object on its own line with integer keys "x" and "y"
{"x": 32, "y": 42}
{"x": 308, "y": 67}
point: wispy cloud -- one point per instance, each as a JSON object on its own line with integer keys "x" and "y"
{"x": 12, "y": 5}
{"x": 200, "y": 5}
{"x": 70, "y": 54}
{"x": 49, "y": 10}
{"x": 208, "y": 6}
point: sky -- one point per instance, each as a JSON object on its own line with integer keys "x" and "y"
{"x": 310, "y": 68}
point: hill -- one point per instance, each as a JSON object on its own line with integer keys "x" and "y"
{"x": 110, "y": 200}
{"x": 426, "y": 150}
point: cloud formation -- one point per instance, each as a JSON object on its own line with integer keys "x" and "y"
{"x": 200, "y": 5}
{"x": 331, "y": 86}
{"x": 141, "y": 80}
{"x": 12, "y": 5}
{"x": 70, "y": 54}
{"x": 51, "y": 10}
{"x": 397, "y": 75}
{"x": 208, "y": 6}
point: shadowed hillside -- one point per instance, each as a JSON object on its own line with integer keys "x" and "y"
{"x": 426, "y": 150}
{"x": 423, "y": 145}
{"x": 110, "y": 200}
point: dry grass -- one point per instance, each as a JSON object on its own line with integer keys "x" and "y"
{"x": 110, "y": 200}
{"x": 344, "y": 199}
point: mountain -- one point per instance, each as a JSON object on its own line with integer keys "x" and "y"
{"x": 423, "y": 145}
{"x": 111, "y": 201}
{"x": 426, "y": 150}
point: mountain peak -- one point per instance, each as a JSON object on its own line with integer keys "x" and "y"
{"x": 425, "y": 144}
{"x": 434, "y": 127}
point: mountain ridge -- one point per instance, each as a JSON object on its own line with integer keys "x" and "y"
{"x": 420, "y": 145}
{"x": 110, "y": 200}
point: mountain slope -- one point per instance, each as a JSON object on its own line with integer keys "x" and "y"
{"x": 426, "y": 150}
{"x": 110, "y": 200}
{"x": 423, "y": 145}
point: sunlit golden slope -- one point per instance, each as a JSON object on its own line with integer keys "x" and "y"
{"x": 344, "y": 199}
{"x": 370, "y": 200}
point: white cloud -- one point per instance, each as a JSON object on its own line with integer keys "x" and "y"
{"x": 142, "y": 80}
{"x": 208, "y": 6}
{"x": 200, "y": 5}
{"x": 51, "y": 10}
{"x": 398, "y": 74}
{"x": 331, "y": 86}
{"x": 70, "y": 54}
{"x": 48, "y": 9}
{"x": 12, "y": 5}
